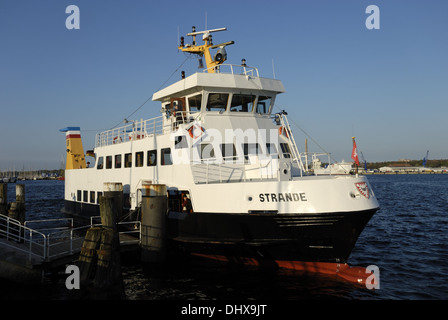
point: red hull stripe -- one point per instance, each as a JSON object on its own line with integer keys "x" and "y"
{"x": 343, "y": 270}
{"x": 71, "y": 136}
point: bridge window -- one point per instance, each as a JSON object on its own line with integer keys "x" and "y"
{"x": 251, "y": 149}
{"x": 152, "y": 158}
{"x": 285, "y": 150}
{"x": 271, "y": 149}
{"x": 228, "y": 151}
{"x": 217, "y": 101}
{"x": 194, "y": 103}
{"x": 242, "y": 103}
{"x": 207, "y": 151}
{"x": 165, "y": 158}
{"x": 263, "y": 105}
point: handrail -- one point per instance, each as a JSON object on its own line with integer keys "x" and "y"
{"x": 47, "y": 246}
{"x": 248, "y": 71}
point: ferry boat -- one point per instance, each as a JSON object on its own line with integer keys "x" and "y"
{"x": 237, "y": 185}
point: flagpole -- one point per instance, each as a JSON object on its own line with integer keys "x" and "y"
{"x": 355, "y": 152}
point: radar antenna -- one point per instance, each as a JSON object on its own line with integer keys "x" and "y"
{"x": 204, "y": 50}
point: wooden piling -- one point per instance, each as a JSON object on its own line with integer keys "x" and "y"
{"x": 115, "y": 190}
{"x": 100, "y": 259}
{"x": 154, "y": 207}
{"x": 3, "y": 198}
{"x": 88, "y": 257}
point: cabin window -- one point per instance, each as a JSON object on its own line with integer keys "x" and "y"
{"x": 207, "y": 151}
{"x": 117, "y": 161}
{"x": 78, "y": 195}
{"x": 152, "y": 158}
{"x": 92, "y": 196}
{"x": 180, "y": 142}
{"x": 263, "y": 104}
{"x": 165, "y": 157}
{"x": 139, "y": 159}
{"x": 250, "y": 149}
{"x": 194, "y": 103}
{"x": 228, "y": 151}
{"x": 217, "y": 101}
{"x": 285, "y": 150}
{"x": 128, "y": 160}
{"x": 98, "y": 195}
{"x": 100, "y": 163}
{"x": 85, "y": 195}
{"x": 242, "y": 103}
{"x": 109, "y": 162}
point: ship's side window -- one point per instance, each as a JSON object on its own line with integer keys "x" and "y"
{"x": 92, "y": 196}
{"x": 128, "y": 160}
{"x": 85, "y": 195}
{"x": 207, "y": 151}
{"x": 139, "y": 159}
{"x": 165, "y": 157}
{"x": 98, "y": 195}
{"x": 194, "y": 103}
{"x": 263, "y": 104}
{"x": 250, "y": 149}
{"x": 180, "y": 142}
{"x": 117, "y": 161}
{"x": 78, "y": 195}
{"x": 228, "y": 151}
{"x": 217, "y": 101}
{"x": 242, "y": 103}
{"x": 152, "y": 158}
{"x": 100, "y": 163}
{"x": 285, "y": 150}
{"x": 108, "y": 162}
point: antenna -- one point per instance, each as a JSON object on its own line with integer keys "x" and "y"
{"x": 205, "y": 31}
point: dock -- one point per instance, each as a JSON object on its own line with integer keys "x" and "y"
{"x": 26, "y": 254}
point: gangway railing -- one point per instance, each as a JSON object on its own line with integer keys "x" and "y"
{"x": 39, "y": 247}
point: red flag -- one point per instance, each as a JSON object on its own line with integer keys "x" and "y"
{"x": 355, "y": 153}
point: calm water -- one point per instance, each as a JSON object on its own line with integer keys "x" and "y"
{"x": 407, "y": 239}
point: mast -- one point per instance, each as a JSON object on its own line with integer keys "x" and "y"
{"x": 204, "y": 50}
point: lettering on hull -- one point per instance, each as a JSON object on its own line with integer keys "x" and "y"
{"x": 282, "y": 197}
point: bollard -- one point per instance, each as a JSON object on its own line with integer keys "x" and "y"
{"x": 20, "y": 200}
{"x": 153, "y": 224}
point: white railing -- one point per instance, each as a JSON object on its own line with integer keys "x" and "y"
{"x": 134, "y": 131}
{"x": 41, "y": 247}
{"x": 235, "y": 69}
{"x": 230, "y": 169}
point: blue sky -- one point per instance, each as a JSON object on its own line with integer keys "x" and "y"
{"x": 387, "y": 87}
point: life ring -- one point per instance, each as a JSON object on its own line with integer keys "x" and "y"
{"x": 117, "y": 139}
{"x": 191, "y": 129}
{"x": 282, "y": 130}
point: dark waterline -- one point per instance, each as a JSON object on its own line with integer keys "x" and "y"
{"x": 407, "y": 239}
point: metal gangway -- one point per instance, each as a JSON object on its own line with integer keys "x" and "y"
{"x": 34, "y": 247}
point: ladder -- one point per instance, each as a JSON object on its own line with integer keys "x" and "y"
{"x": 291, "y": 142}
